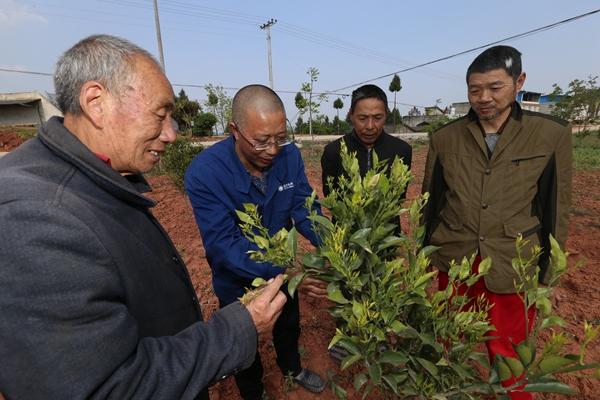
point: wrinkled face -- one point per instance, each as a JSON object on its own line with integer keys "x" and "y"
{"x": 492, "y": 93}
{"x": 138, "y": 121}
{"x": 368, "y": 119}
{"x": 259, "y": 128}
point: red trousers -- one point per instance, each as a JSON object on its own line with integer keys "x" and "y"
{"x": 507, "y": 314}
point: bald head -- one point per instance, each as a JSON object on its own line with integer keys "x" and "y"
{"x": 256, "y": 98}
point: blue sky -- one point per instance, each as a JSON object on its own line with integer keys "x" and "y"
{"x": 219, "y": 42}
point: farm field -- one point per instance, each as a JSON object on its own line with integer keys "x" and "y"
{"x": 576, "y": 300}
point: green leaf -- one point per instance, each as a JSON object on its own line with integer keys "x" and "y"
{"x": 323, "y": 221}
{"x": 461, "y": 371}
{"x": 375, "y": 373}
{"x": 360, "y": 238}
{"x": 292, "y": 242}
{"x": 552, "y": 320}
{"x": 428, "y": 250}
{"x": 389, "y": 242}
{"x": 393, "y": 357}
{"x": 349, "y": 360}
{"x": 544, "y": 306}
{"x": 525, "y": 353}
{"x": 349, "y": 346}
{"x": 261, "y": 242}
{"x": 552, "y": 363}
{"x": 390, "y": 380}
{"x": 335, "y": 294}
{"x": 258, "y": 282}
{"x": 515, "y": 366}
{"x": 398, "y": 326}
{"x": 359, "y": 380}
{"x": 312, "y": 260}
{"x": 244, "y": 217}
{"x": 294, "y": 282}
{"x": 549, "y": 387}
{"x": 502, "y": 368}
{"x": 423, "y": 279}
{"x": 485, "y": 265}
{"x": 428, "y": 365}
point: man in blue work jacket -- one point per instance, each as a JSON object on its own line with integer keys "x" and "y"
{"x": 255, "y": 165}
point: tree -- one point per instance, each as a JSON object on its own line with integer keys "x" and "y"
{"x": 393, "y": 116}
{"x": 185, "y": 111}
{"x": 222, "y": 109}
{"x": 312, "y": 106}
{"x": 580, "y": 103}
{"x": 395, "y": 87}
{"x": 299, "y": 124}
{"x": 213, "y": 102}
{"x": 338, "y": 104}
{"x": 203, "y": 124}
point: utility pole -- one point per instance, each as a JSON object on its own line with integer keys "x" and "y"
{"x": 267, "y": 25}
{"x": 158, "y": 37}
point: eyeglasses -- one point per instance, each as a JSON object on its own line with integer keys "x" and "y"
{"x": 261, "y": 145}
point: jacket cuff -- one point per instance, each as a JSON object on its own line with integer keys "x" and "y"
{"x": 238, "y": 318}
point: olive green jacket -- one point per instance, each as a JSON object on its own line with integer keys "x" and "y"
{"x": 478, "y": 203}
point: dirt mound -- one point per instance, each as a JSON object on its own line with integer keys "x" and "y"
{"x": 9, "y": 140}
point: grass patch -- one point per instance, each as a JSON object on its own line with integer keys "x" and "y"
{"x": 586, "y": 150}
{"x": 26, "y": 132}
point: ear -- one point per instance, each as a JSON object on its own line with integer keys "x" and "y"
{"x": 233, "y": 129}
{"x": 92, "y": 100}
{"x": 521, "y": 81}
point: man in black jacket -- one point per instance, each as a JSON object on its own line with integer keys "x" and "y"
{"x": 368, "y": 112}
{"x": 95, "y": 300}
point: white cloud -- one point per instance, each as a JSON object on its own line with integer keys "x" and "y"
{"x": 13, "y": 14}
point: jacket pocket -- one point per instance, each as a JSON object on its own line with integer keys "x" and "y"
{"x": 525, "y": 227}
{"x": 522, "y": 158}
{"x": 451, "y": 219}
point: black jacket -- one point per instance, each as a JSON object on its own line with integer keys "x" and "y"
{"x": 95, "y": 301}
{"x": 386, "y": 146}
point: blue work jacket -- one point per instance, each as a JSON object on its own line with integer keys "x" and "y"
{"x": 218, "y": 185}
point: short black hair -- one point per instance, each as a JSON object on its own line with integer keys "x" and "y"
{"x": 368, "y": 92}
{"x": 505, "y": 57}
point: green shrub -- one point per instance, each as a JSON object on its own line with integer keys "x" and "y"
{"x": 177, "y": 158}
{"x": 404, "y": 341}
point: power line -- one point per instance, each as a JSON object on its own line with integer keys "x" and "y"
{"x": 20, "y": 71}
{"x": 517, "y": 36}
{"x": 200, "y": 86}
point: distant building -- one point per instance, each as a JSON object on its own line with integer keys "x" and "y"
{"x": 459, "y": 109}
{"x": 419, "y": 122}
{"x": 539, "y": 102}
{"x": 401, "y": 127}
{"x": 434, "y": 111}
{"x": 26, "y": 108}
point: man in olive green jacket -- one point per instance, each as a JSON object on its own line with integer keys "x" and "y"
{"x": 492, "y": 175}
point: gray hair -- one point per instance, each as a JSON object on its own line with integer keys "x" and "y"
{"x": 103, "y": 58}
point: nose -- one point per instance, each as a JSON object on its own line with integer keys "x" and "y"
{"x": 168, "y": 133}
{"x": 485, "y": 96}
{"x": 273, "y": 149}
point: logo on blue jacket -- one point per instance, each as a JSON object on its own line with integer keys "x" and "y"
{"x": 286, "y": 186}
